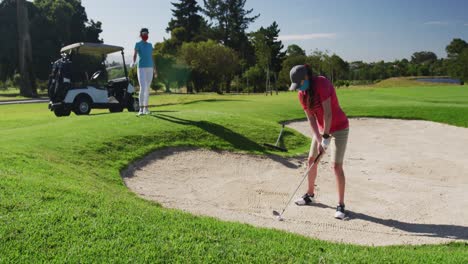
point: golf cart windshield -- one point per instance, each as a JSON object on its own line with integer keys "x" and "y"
{"x": 115, "y": 70}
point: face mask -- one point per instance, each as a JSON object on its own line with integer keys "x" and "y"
{"x": 144, "y": 37}
{"x": 305, "y": 86}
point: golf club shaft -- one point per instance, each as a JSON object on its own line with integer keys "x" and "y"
{"x": 302, "y": 181}
{"x": 279, "y": 137}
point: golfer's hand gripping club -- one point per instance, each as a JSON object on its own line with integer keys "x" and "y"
{"x": 325, "y": 143}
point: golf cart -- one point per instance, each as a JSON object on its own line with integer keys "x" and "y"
{"x": 81, "y": 80}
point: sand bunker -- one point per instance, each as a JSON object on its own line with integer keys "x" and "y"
{"x": 407, "y": 183}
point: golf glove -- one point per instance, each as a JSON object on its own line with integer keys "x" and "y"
{"x": 326, "y": 143}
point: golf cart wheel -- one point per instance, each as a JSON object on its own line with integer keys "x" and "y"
{"x": 116, "y": 108}
{"x": 60, "y": 111}
{"x": 82, "y": 105}
{"x": 133, "y": 104}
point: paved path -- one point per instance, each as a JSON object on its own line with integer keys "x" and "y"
{"x": 25, "y": 101}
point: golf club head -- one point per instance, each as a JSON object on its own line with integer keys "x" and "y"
{"x": 278, "y": 215}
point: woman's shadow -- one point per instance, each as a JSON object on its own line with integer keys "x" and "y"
{"x": 426, "y": 230}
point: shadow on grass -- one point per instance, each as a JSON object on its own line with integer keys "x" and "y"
{"x": 109, "y": 113}
{"x": 200, "y": 101}
{"x": 426, "y": 230}
{"x": 237, "y": 140}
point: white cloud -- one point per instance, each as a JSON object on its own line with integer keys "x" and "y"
{"x": 308, "y": 36}
{"x": 436, "y": 23}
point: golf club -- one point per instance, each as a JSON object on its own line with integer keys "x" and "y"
{"x": 278, "y": 215}
{"x": 277, "y": 142}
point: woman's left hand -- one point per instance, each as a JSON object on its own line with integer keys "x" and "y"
{"x": 326, "y": 143}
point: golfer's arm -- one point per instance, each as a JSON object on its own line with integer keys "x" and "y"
{"x": 327, "y": 115}
{"x": 313, "y": 125}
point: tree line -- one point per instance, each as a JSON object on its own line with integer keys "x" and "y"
{"x": 210, "y": 49}
{"x": 52, "y": 25}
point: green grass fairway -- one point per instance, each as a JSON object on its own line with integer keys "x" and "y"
{"x": 62, "y": 198}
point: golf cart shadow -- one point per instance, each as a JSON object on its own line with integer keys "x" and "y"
{"x": 427, "y": 230}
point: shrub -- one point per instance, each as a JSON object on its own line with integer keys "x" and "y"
{"x": 16, "y": 80}
{"x": 41, "y": 85}
{"x": 157, "y": 86}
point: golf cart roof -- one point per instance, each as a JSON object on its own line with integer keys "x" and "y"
{"x": 91, "y": 48}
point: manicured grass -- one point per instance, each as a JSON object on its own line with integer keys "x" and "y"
{"x": 62, "y": 198}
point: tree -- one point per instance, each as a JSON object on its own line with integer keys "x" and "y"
{"x": 276, "y": 46}
{"x": 339, "y": 68}
{"x": 210, "y": 63}
{"x": 56, "y": 24}
{"x": 231, "y": 20}
{"x": 186, "y": 16}
{"x": 9, "y": 47}
{"x": 423, "y": 57}
{"x": 457, "y": 62}
{"x": 268, "y": 51}
{"x": 52, "y": 24}
{"x": 458, "y": 67}
{"x": 455, "y": 48}
{"x": 263, "y": 54}
{"x": 295, "y": 50}
{"x": 319, "y": 61}
{"x": 255, "y": 77}
{"x": 28, "y": 81}
{"x": 462, "y": 69}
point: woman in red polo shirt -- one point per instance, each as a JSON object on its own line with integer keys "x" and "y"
{"x": 329, "y": 125}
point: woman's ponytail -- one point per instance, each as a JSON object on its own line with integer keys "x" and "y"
{"x": 310, "y": 94}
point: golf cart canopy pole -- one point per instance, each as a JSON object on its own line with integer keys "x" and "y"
{"x": 124, "y": 65}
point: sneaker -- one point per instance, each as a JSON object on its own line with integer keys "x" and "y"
{"x": 140, "y": 113}
{"x": 340, "y": 212}
{"x": 147, "y": 111}
{"x": 306, "y": 199}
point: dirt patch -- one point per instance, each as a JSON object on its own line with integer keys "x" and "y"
{"x": 407, "y": 183}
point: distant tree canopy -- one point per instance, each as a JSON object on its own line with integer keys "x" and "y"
{"x": 260, "y": 57}
{"x": 210, "y": 48}
{"x": 295, "y": 50}
{"x": 187, "y": 24}
{"x": 424, "y": 57}
{"x": 53, "y": 24}
{"x": 457, "y": 63}
{"x": 211, "y": 63}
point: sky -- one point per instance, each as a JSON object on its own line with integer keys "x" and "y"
{"x": 353, "y": 29}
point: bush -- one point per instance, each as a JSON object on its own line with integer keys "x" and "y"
{"x": 16, "y": 80}
{"x": 41, "y": 85}
{"x": 339, "y": 83}
{"x": 157, "y": 86}
{"x": 9, "y": 84}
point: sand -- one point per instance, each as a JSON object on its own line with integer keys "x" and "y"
{"x": 407, "y": 183}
